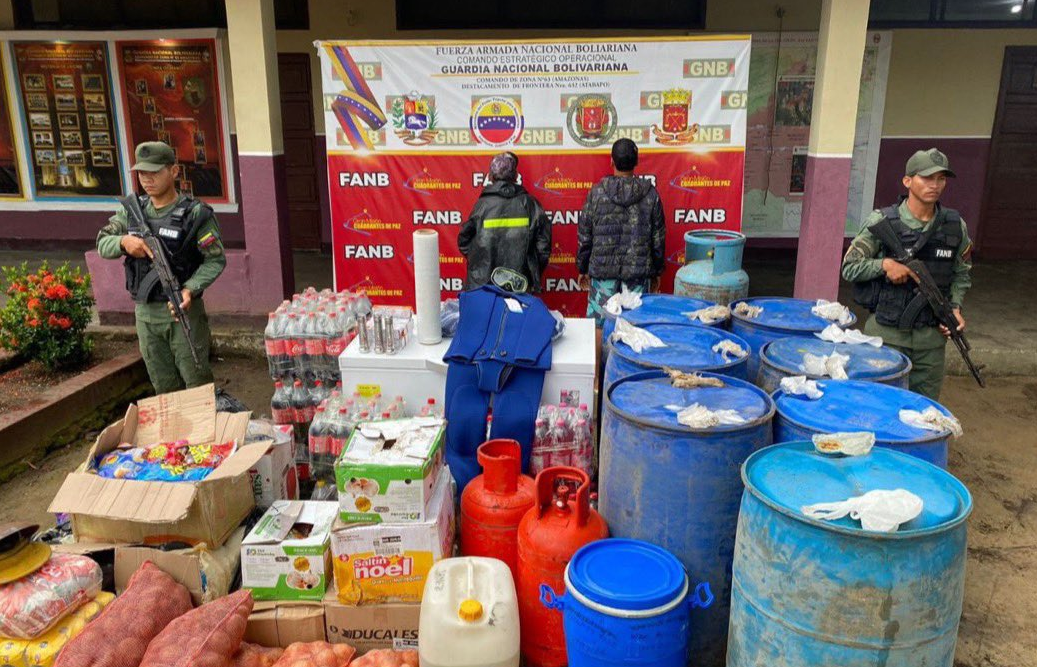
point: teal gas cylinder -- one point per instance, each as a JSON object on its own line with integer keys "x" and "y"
{"x": 713, "y": 266}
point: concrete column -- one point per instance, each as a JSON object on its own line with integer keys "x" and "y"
{"x": 840, "y": 54}
{"x": 252, "y": 41}
{"x": 6, "y": 14}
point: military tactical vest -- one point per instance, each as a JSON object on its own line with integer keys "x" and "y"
{"x": 177, "y": 235}
{"x": 903, "y": 306}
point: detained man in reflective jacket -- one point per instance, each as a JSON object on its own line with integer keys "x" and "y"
{"x": 507, "y": 229}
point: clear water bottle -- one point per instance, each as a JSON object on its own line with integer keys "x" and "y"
{"x": 363, "y": 304}
{"x": 274, "y": 345}
{"x": 322, "y": 490}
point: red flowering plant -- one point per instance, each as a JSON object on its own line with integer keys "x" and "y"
{"x": 46, "y": 314}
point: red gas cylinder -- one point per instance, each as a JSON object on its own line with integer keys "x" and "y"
{"x": 551, "y": 532}
{"x": 493, "y": 504}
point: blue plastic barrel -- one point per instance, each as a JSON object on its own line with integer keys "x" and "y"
{"x": 626, "y": 604}
{"x": 812, "y": 592}
{"x": 853, "y": 405}
{"x": 689, "y": 348}
{"x": 679, "y": 487}
{"x": 657, "y": 308}
{"x": 784, "y": 357}
{"x": 781, "y": 317}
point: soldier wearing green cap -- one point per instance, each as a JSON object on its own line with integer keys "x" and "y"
{"x": 888, "y": 289}
{"x": 191, "y": 236}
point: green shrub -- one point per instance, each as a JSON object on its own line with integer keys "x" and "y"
{"x": 46, "y": 314}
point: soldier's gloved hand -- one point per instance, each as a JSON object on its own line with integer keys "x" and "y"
{"x": 134, "y": 246}
{"x": 896, "y": 272}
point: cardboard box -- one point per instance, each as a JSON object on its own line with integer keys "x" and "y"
{"x": 274, "y": 477}
{"x": 380, "y": 626}
{"x": 284, "y": 623}
{"x": 207, "y": 574}
{"x": 119, "y": 510}
{"x": 287, "y": 555}
{"x": 390, "y": 562}
{"x": 388, "y": 469}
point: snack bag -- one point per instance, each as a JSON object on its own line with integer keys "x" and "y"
{"x": 32, "y": 605}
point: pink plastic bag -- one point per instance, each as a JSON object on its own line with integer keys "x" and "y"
{"x": 32, "y": 605}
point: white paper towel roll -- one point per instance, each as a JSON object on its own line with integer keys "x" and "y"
{"x": 426, "y": 286}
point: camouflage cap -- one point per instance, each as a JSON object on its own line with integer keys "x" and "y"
{"x": 927, "y": 163}
{"x": 153, "y": 156}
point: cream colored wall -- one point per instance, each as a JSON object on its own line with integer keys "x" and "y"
{"x": 960, "y": 70}
{"x": 253, "y": 66}
{"x": 944, "y": 83}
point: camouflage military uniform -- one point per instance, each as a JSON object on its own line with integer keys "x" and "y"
{"x": 924, "y": 346}
{"x": 163, "y": 345}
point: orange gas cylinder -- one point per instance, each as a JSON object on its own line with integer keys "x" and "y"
{"x": 551, "y": 532}
{"x": 493, "y": 504}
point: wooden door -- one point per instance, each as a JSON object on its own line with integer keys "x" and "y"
{"x": 1008, "y": 225}
{"x": 304, "y": 214}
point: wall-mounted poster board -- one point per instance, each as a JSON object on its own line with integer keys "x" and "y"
{"x": 10, "y": 179}
{"x": 171, "y": 93}
{"x": 66, "y": 107}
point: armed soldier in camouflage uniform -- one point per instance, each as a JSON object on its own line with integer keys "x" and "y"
{"x": 901, "y": 315}
{"x": 191, "y": 236}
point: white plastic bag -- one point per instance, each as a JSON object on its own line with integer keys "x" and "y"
{"x": 746, "y": 310}
{"x": 638, "y": 339}
{"x": 799, "y": 385}
{"x": 851, "y": 444}
{"x": 622, "y": 300}
{"x": 697, "y": 415}
{"x": 878, "y": 510}
{"x": 832, "y": 365}
{"x": 931, "y": 419}
{"x": 728, "y": 349}
{"x": 833, "y": 311}
{"x": 833, "y": 333}
{"x": 709, "y": 315}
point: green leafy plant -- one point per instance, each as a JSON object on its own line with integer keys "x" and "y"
{"x": 46, "y": 314}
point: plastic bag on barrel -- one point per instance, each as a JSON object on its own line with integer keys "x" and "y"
{"x": 879, "y": 510}
{"x": 697, "y": 415}
{"x": 728, "y": 349}
{"x": 833, "y": 365}
{"x": 833, "y": 311}
{"x": 932, "y": 419}
{"x": 709, "y": 315}
{"x": 638, "y": 339}
{"x": 799, "y": 385}
{"x": 833, "y": 333}
{"x": 623, "y": 300}
{"x": 745, "y": 310}
{"x": 851, "y": 444}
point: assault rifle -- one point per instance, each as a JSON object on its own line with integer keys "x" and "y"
{"x": 160, "y": 262}
{"x": 928, "y": 292}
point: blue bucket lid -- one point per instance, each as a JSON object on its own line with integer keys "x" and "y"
{"x": 643, "y": 397}
{"x": 857, "y": 405}
{"x": 626, "y": 574}
{"x": 664, "y": 308}
{"x": 689, "y": 346}
{"x": 793, "y": 474}
{"x": 866, "y": 362}
{"x": 781, "y": 312}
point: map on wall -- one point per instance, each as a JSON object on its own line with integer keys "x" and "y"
{"x": 781, "y": 88}
{"x": 171, "y": 93}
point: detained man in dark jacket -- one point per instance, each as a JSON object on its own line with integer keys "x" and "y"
{"x": 507, "y": 229}
{"x": 622, "y": 234}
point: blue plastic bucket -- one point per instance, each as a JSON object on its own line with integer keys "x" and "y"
{"x": 781, "y": 317}
{"x": 813, "y": 592}
{"x": 679, "y": 487}
{"x": 782, "y": 358}
{"x": 689, "y": 348}
{"x": 657, "y": 308}
{"x": 853, "y": 405}
{"x": 626, "y": 603}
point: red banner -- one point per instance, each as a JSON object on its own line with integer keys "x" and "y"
{"x": 171, "y": 93}
{"x": 377, "y": 201}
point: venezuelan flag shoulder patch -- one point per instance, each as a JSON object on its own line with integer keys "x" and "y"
{"x": 206, "y": 240}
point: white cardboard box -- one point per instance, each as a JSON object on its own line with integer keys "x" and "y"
{"x": 418, "y": 371}
{"x": 277, "y": 564}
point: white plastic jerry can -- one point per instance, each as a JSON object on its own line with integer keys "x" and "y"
{"x": 469, "y": 615}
